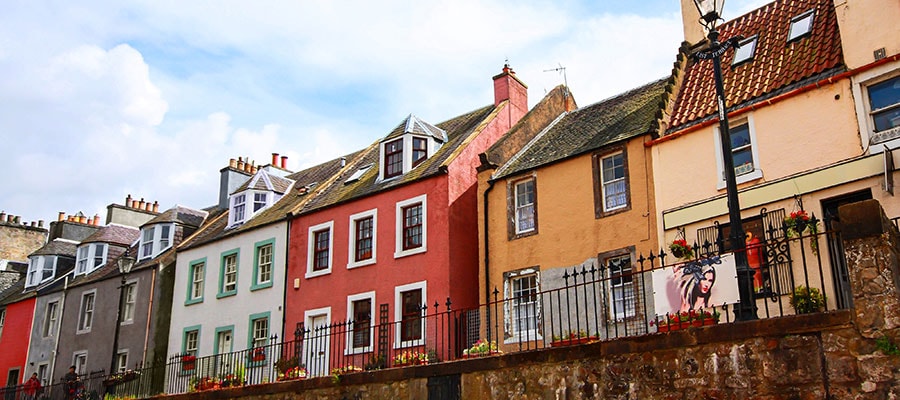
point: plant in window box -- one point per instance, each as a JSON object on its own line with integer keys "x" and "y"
{"x": 681, "y": 249}
{"x": 407, "y": 357}
{"x": 258, "y": 354}
{"x": 481, "y": 348}
{"x": 205, "y": 383}
{"x": 572, "y": 338}
{"x": 188, "y": 362}
{"x": 807, "y": 300}
{"x": 125, "y": 376}
{"x": 292, "y": 373}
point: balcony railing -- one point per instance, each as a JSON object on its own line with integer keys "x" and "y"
{"x": 616, "y": 298}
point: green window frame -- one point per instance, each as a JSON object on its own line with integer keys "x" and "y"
{"x": 255, "y": 284}
{"x": 189, "y": 297}
{"x": 226, "y": 257}
{"x": 251, "y": 325}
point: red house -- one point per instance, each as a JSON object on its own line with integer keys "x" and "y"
{"x": 396, "y": 233}
{"x": 15, "y": 328}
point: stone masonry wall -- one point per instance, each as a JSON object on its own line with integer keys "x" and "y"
{"x": 18, "y": 241}
{"x": 845, "y": 354}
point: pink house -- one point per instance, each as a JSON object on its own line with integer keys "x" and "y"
{"x": 393, "y": 235}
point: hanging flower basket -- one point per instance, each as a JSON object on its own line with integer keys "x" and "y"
{"x": 799, "y": 223}
{"x": 681, "y": 249}
{"x": 259, "y": 354}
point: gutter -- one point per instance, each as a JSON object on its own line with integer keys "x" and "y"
{"x": 776, "y": 99}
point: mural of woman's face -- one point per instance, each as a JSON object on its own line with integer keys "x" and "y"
{"x": 709, "y": 278}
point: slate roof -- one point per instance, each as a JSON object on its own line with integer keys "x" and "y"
{"x": 57, "y": 247}
{"x": 279, "y": 184}
{"x": 180, "y": 214}
{"x": 414, "y": 125}
{"x": 14, "y": 293}
{"x": 115, "y": 234}
{"x": 313, "y": 176}
{"x": 777, "y": 65}
{"x": 458, "y": 129}
{"x": 624, "y": 116}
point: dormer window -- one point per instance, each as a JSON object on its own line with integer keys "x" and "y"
{"x": 259, "y": 201}
{"x": 238, "y": 207}
{"x": 420, "y": 151}
{"x": 393, "y": 158}
{"x": 420, "y": 140}
{"x": 90, "y": 257}
{"x": 40, "y": 270}
{"x": 155, "y": 239}
{"x": 800, "y": 25}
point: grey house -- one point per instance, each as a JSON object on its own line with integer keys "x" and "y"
{"x": 87, "y": 331}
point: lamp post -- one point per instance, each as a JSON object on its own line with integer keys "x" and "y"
{"x": 125, "y": 262}
{"x": 710, "y": 14}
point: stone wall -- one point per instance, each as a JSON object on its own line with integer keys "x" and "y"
{"x": 17, "y": 241}
{"x": 845, "y": 354}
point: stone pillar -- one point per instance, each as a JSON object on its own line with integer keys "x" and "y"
{"x": 872, "y": 247}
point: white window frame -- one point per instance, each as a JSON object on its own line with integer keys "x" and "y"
{"x": 757, "y": 172}
{"x": 79, "y": 360}
{"x": 128, "y": 316}
{"x": 157, "y": 240}
{"x": 236, "y": 215}
{"x": 870, "y": 138}
{"x": 43, "y": 372}
{"x": 398, "y": 314}
{"x": 36, "y": 267}
{"x": 514, "y": 336}
{"x": 194, "y": 283}
{"x": 398, "y": 249}
{"x": 311, "y": 249}
{"x": 261, "y": 204}
{"x": 349, "y": 349}
{"x": 121, "y": 360}
{"x": 195, "y": 350}
{"x": 352, "y": 263}
{"x": 51, "y": 319}
{"x": 603, "y": 182}
{"x": 87, "y": 257}
{"x": 614, "y": 312}
{"x": 81, "y": 328}
{"x": 517, "y": 206}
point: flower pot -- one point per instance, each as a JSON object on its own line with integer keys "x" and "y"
{"x": 710, "y": 321}
{"x": 573, "y": 341}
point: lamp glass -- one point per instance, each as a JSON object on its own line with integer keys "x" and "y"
{"x": 125, "y": 262}
{"x": 710, "y": 10}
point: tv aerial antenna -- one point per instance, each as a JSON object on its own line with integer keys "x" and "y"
{"x": 562, "y": 70}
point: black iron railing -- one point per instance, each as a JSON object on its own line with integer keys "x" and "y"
{"x": 798, "y": 270}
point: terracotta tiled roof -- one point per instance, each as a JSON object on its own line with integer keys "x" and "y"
{"x": 458, "y": 129}
{"x": 776, "y": 65}
{"x": 589, "y": 128}
{"x": 114, "y": 233}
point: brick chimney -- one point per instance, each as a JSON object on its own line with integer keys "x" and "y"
{"x": 508, "y": 87}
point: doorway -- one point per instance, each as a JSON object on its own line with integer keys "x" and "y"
{"x": 843, "y": 296}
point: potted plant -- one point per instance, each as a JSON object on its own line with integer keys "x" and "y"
{"x": 293, "y": 373}
{"x": 407, "y": 357}
{"x": 481, "y": 348}
{"x": 572, "y": 338}
{"x": 705, "y": 317}
{"x": 798, "y": 223}
{"x": 258, "y": 354}
{"x": 205, "y": 383}
{"x": 122, "y": 377}
{"x": 681, "y": 249}
{"x": 807, "y": 300}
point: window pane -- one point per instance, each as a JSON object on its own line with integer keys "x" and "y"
{"x": 230, "y": 282}
{"x": 621, "y": 287}
{"x": 265, "y": 264}
{"x": 197, "y": 280}
{"x": 190, "y": 342}
{"x": 147, "y": 242}
{"x": 524, "y": 298}
{"x": 412, "y": 227}
{"x": 129, "y": 299}
{"x": 260, "y": 332}
{"x": 615, "y": 189}
{"x": 320, "y": 260}
{"x": 259, "y": 201}
{"x": 364, "y": 239}
{"x": 411, "y": 325}
{"x": 525, "y": 206}
{"x": 362, "y": 321}
{"x": 420, "y": 151}
{"x": 743, "y": 161}
{"x": 740, "y": 136}
{"x": 164, "y": 237}
{"x": 393, "y": 158}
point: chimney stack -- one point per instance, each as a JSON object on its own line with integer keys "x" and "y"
{"x": 40, "y": 223}
{"x": 508, "y": 87}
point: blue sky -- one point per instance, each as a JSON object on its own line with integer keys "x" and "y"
{"x": 151, "y": 98}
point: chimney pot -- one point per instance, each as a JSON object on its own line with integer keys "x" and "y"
{"x": 232, "y": 163}
{"x": 148, "y": 206}
{"x": 2, "y": 215}
{"x": 90, "y": 221}
{"x": 70, "y": 218}
{"x": 33, "y": 224}
{"x": 141, "y": 204}
{"x": 40, "y": 223}
{"x": 155, "y": 206}
{"x": 284, "y": 162}
{"x": 96, "y": 219}
{"x": 274, "y": 159}
{"x": 62, "y": 216}
{"x": 128, "y": 201}
{"x": 82, "y": 219}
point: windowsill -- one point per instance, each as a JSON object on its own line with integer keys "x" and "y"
{"x": 313, "y": 274}
{"x": 190, "y": 302}
{"x": 361, "y": 263}
{"x": 608, "y": 213}
{"x": 261, "y": 286}
{"x": 226, "y": 294}
{"x": 79, "y": 332}
{"x": 750, "y": 176}
{"x": 404, "y": 253}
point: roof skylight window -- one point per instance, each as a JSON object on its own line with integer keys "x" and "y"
{"x": 359, "y": 173}
{"x": 745, "y": 51}
{"x": 800, "y": 25}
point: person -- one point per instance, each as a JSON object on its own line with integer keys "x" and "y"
{"x": 695, "y": 284}
{"x": 33, "y": 387}
{"x": 72, "y": 384}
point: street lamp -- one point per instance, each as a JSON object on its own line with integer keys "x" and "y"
{"x": 125, "y": 262}
{"x": 710, "y": 14}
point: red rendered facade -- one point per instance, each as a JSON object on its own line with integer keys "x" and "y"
{"x": 446, "y": 269}
{"x": 14, "y": 341}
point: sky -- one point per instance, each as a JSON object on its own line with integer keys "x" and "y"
{"x": 101, "y": 99}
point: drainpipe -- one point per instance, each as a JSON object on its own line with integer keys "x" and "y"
{"x": 149, "y": 313}
{"x": 287, "y": 253}
{"x": 487, "y": 258}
